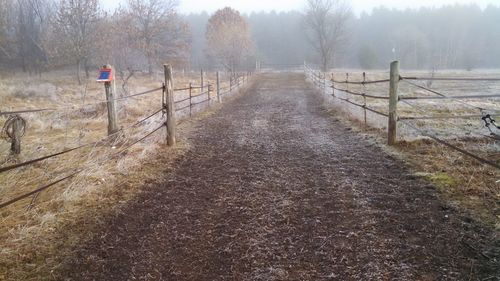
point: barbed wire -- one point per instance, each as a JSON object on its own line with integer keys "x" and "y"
{"x": 451, "y": 79}
{"x": 358, "y": 94}
{"x": 463, "y": 151}
{"x": 441, "y": 94}
{"x": 93, "y": 145}
{"x": 444, "y": 119}
{"x": 364, "y": 106}
{"x": 66, "y": 151}
{"x": 40, "y": 189}
{"x": 7, "y": 132}
{"x": 487, "y": 118}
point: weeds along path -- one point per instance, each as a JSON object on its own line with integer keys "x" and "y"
{"x": 274, "y": 188}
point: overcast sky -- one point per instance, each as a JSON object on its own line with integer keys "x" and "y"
{"x": 247, "y": 6}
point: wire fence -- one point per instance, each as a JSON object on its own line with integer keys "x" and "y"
{"x": 421, "y": 102}
{"x": 185, "y": 98}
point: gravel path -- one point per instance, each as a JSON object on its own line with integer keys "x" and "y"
{"x": 275, "y": 188}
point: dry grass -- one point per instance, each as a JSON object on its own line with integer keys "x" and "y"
{"x": 447, "y": 129}
{"x": 37, "y": 228}
{"x": 461, "y": 180}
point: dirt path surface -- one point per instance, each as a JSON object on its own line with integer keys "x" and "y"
{"x": 274, "y": 188}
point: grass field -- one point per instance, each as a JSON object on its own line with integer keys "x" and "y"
{"x": 80, "y": 118}
{"x": 462, "y": 180}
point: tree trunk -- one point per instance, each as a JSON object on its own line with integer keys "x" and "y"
{"x": 325, "y": 63}
{"x": 78, "y": 70}
{"x": 87, "y": 68}
{"x": 23, "y": 62}
{"x": 150, "y": 65}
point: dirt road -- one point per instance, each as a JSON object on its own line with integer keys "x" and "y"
{"x": 274, "y": 188}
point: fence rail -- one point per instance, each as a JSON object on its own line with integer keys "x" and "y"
{"x": 166, "y": 89}
{"x": 320, "y": 80}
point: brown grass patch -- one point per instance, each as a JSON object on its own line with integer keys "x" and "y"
{"x": 460, "y": 180}
{"x": 37, "y": 232}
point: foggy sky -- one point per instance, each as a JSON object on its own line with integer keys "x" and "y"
{"x": 247, "y": 6}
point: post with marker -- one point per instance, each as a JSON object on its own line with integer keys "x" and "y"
{"x": 106, "y": 77}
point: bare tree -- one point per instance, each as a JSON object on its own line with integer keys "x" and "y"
{"x": 5, "y": 8}
{"x": 119, "y": 33}
{"x": 76, "y": 24}
{"x": 228, "y": 39}
{"x": 157, "y": 30}
{"x": 32, "y": 25}
{"x": 326, "y": 21}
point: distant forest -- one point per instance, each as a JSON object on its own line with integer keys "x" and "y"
{"x": 452, "y": 37}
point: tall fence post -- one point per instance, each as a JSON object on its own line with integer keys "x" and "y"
{"x": 219, "y": 100}
{"x": 111, "y": 103}
{"x": 393, "y": 104}
{"x": 18, "y": 127}
{"x": 169, "y": 89}
{"x": 333, "y": 84}
{"x": 202, "y": 86}
{"x": 324, "y": 83}
{"x": 208, "y": 92}
{"x": 190, "y": 99}
{"x": 347, "y": 85}
{"x": 364, "y": 97}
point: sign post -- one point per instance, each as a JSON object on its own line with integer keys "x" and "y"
{"x": 106, "y": 77}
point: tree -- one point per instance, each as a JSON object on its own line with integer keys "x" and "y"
{"x": 5, "y": 7}
{"x": 30, "y": 29}
{"x": 326, "y": 21}
{"x": 228, "y": 39}
{"x": 157, "y": 30}
{"x": 411, "y": 46}
{"x": 76, "y": 23}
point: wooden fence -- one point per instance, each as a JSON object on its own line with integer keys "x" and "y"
{"x": 330, "y": 86}
{"x": 171, "y": 107}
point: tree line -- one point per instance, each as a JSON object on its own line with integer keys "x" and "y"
{"x": 450, "y": 37}
{"x": 38, "y": 35}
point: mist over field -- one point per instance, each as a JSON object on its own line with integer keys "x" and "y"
{"x": 37, "y": 35}
{"x": 451, "y": 37}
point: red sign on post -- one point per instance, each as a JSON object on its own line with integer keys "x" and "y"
{"x": 105, "y": 75}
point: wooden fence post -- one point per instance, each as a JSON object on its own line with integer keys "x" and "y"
{"x": 219, "y": 99}
{"x": 169, "y": 89}
{"x": 333, "y": 85}
{"x": 364, "y": 97}
{"x": 208, "y": 92}
{"x": 393, "y": 103}
{"x": 324, "y": 83}
{"x": 202, "y": 86}
{"x": 190, "y": 99}
{"x": 347, "y": 84}
{"x": 111, "y": 103}
{"x": 17, "y": 132}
